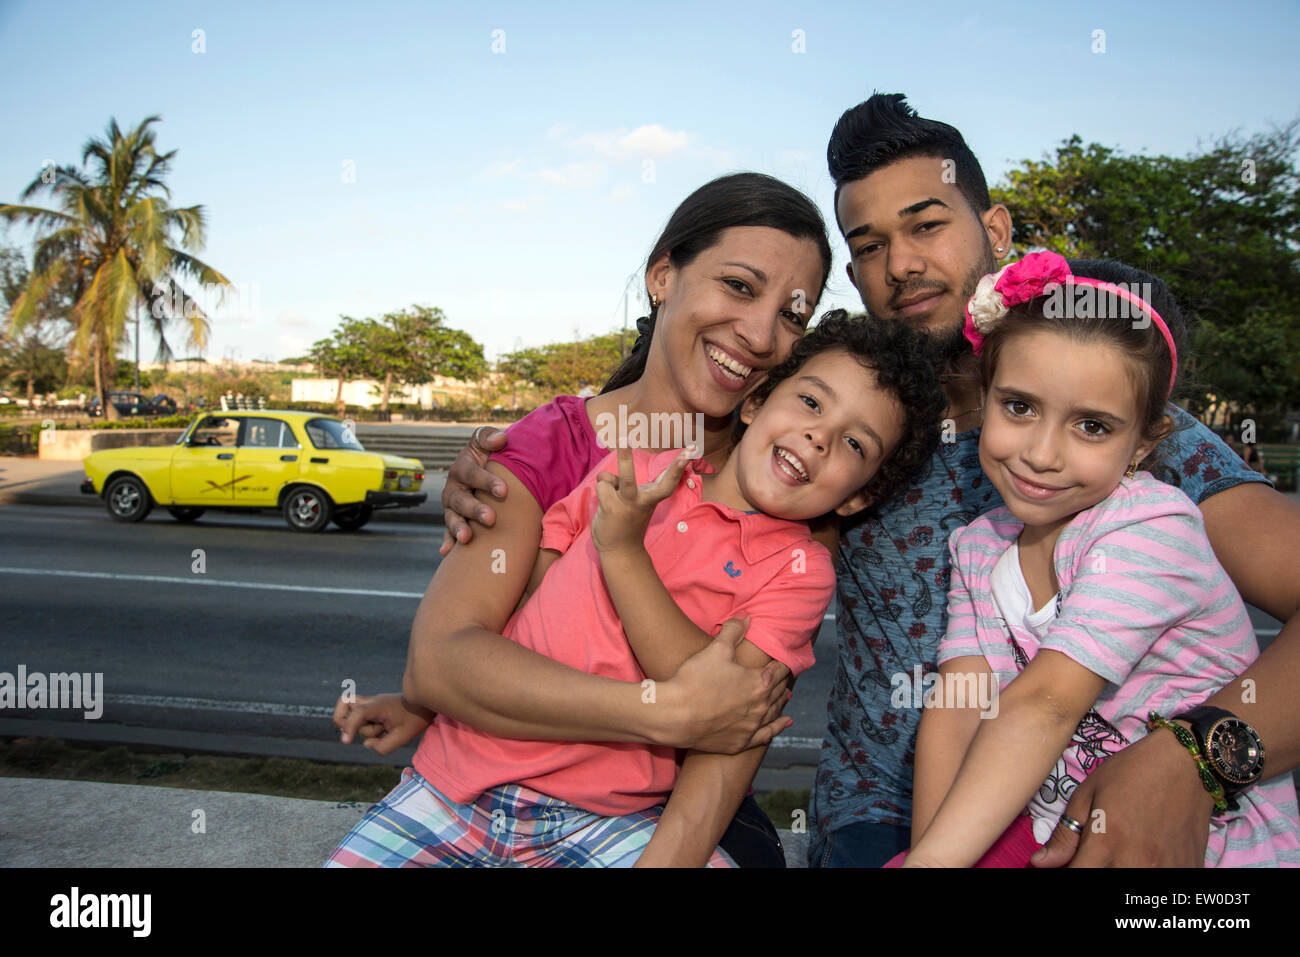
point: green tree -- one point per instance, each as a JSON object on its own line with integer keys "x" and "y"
{"x": 121, "y": 245}
{"x": 565, "y": 367}
{"x": 1220, "y": 226}
{"x": 124, "y": 377}
{"x": 32, "y": 357}
{"x": 345, "y": 354}
{"x": 414, "y": 345}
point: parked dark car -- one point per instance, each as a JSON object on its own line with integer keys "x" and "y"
{"x": 135, "y": 404}
{"x": 162, "y": 405}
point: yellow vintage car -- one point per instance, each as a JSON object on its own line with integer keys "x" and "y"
{"x": 309, "y": 466}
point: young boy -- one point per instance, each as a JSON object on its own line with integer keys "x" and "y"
{"x": 634, "y": 579}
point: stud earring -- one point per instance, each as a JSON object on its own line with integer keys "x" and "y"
{"x": 1132, "y": 467}
{"x": 654, "y": 301}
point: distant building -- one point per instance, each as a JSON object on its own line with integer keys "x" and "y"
{"x": 368, "y": 393}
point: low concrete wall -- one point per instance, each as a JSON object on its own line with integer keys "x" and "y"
{"x": 73, "y": 445}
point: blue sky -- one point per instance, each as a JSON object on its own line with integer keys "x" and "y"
{"x": 512, "y": 189}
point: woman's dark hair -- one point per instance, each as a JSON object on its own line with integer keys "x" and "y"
{"x": 905, "y": 365}
{"x": 884, "y": 130}
{"x": 1088, "y": 314}
{"x": 741, "y": 199}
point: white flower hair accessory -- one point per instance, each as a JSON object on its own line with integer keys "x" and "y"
{"x": 987, "y": 306}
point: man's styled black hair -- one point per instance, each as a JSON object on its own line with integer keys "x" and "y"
{"x": 904, "y": 362}
{"x": 884, "y": 130}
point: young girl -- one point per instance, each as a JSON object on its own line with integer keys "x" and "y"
{"x": 1093, "y": 596}
{"x": 632, "y": 580}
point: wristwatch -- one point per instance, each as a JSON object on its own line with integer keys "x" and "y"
{"x": 1232, "y": 748}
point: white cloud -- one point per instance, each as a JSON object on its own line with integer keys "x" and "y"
{"x": 291, "y": 345}
{"x": 292, "y": 319}
{"x": 504, "y": 168}
{"x": 526, "y": 205}
{"x": 586, "y": 175}
{"x": 650, "y": 140}
{"x": 620, "y": 194}
{"x": 719, "y": 158}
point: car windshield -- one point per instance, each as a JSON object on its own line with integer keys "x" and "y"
{"x": 332, "y": 434}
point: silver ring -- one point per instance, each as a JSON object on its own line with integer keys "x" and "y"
{"x": 475, "y": 439}
{"x": 1072, "y": 824}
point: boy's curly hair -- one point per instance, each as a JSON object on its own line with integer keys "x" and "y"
{"x": 905, "y": 365}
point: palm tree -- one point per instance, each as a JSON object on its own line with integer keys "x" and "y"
{"x": 113, "y": 239}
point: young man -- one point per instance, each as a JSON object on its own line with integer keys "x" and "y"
{"x": 914, "y": 209}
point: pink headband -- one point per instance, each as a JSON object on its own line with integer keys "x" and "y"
{"x": 1042, "y": 274}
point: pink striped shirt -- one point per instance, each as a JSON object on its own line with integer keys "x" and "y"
{"x": 1144, "y": 604}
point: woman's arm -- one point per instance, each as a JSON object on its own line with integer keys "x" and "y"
{"x": 458, "y": 663}
{"x": 947, "y": 728}
{"x": 1009, "y": 758}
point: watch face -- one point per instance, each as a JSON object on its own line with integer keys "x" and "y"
{"x": 1235, "y": 750}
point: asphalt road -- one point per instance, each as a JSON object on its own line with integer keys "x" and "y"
{"x": 255, "y": 647}
{"x": 249, "y": 655}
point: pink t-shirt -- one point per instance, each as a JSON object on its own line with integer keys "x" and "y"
{"x": 552, "y": 448}
{"x": 1144, "y": 604}
{"x": 715, "y": 561}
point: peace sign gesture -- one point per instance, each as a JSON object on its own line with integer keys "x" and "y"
{"x": 624, "y": 508}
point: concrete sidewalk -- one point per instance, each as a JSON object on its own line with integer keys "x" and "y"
{"x": 32, "y": 481}
{"x": 51, "y": 823}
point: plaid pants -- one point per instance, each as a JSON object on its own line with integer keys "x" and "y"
{"x": 509, "y": 826}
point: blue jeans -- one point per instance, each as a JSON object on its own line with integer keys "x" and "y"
{"x": 860, "y": 845}
{"x": 751, "y": 838}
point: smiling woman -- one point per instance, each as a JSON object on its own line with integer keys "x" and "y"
{"x": 733, "y": 282}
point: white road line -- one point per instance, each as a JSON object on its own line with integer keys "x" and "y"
{"x": 214, "y": 704}
{"x": 213, "y": 582}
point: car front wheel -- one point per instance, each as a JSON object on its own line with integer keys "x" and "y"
{"x": 307, "y": 509}
{"x": 127, "y": 499}
{"x": 185, "y": 514}
{"x": 353, "y": 518}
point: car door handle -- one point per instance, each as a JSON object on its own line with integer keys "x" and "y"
{"x": 319, "y": 459}
{"x": 226, "y": 455}
{"x": 288, "y": 458}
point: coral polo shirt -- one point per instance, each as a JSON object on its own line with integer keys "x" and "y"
{"x": 716, "y": 562}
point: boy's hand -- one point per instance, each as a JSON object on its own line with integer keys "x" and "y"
{"x": 625, "y": 508}
{"x": 386, "y": 721}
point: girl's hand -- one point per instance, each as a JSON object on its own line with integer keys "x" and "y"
{"x": 386, "y": 721}
{"x": 624, "y": 508}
